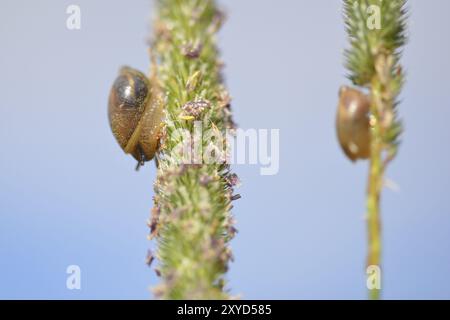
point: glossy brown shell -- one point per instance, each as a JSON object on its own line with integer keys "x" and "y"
{"x": 352, "y": 123}
{"x": 134, "y": 120}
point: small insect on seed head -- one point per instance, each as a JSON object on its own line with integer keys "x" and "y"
{"x": 195, "y": 108}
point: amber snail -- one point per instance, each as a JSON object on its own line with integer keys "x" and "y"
{"x": 134, "y": 115}
{"x": 353, "y": 124}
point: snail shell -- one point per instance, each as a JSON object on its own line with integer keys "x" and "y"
{"x": 134, "y": 114}
{"x": 352, "y": 123}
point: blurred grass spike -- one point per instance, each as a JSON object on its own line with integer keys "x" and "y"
{"x": 377, "y": 34}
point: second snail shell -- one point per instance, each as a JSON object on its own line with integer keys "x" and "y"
{"x": 353, "y": 124}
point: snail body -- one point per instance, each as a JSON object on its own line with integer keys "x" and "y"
{"x": 134, "y": 114}
{"x": 353, "y": 124}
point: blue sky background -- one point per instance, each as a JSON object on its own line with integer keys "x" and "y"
{"x": 68, "y": 195}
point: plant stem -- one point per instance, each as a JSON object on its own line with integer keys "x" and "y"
{"x": 381, "y": 113}
{"x": 373, "y": 202}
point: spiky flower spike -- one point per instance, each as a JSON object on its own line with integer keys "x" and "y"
{"x": 191, "y": 218}
{"x": 377, "y": 32}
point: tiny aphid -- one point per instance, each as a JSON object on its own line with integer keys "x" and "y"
{"x": 353, "y": 123}
{"x": 195, "y": 108}
{"x": 135, "y": 121}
